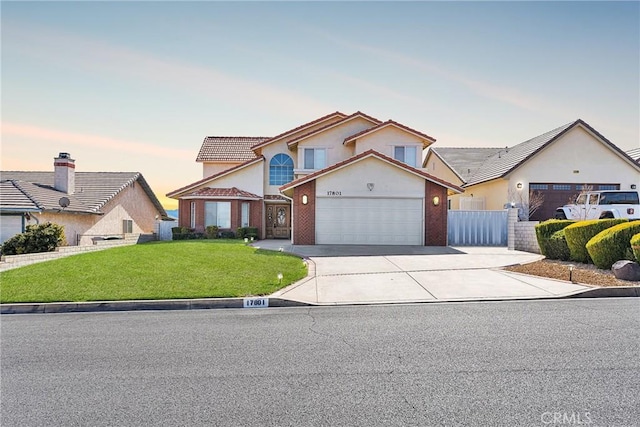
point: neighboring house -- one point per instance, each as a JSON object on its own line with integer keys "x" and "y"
{"x": 556, "y": 164}
{"x": 340, "y": 179}
{"x": 90, "y": 205}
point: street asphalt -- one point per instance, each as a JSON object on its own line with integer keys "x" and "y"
{"x": 352, "y": 274}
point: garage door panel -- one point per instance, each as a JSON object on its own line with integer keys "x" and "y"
{"x": 363, "y": 221}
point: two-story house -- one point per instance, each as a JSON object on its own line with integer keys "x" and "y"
{"x": 339, "y": 179}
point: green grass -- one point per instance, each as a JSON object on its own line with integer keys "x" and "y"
{"x": 157, "y": 270}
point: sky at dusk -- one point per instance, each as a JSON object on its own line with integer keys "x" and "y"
{"x": 136, "y": 86}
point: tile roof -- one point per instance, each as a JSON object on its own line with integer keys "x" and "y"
{"x": 182, "y": 190}
{"x": 93, "y": 190}
{"x": 301, "y": 127}
{"x": 370, "y": 153}
{"x": 634, "y": 154}
{"x": 275, "y": 197}
{"x": 232, "y": 192}
{"x": 228, "y": 148}
{"x": 464, "y": 162}
{"x": 14, "y": 199}
{"x": 505, "y": 160}
{"x": 357, "y": 114}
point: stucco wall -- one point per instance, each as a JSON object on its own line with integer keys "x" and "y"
{"x": 495, "y": 194}
{"x": 332, "y": 139}
{"x": 248, "y": 179}
{"x": 385, "y": 139}
{"x": 577, "y": 157}
{"x": 209, "y": 169}
{"x": 269, "y": 152}
{"x": 388, "y": 180}
{"x": 132, "y": 203}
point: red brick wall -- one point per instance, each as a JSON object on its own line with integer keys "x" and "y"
{"x": 255, "y": 214}
{"x": 304, "y": 216}
{"x": 435, "y": 216}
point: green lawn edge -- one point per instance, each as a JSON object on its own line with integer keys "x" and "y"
{"x": 153, "y": 271}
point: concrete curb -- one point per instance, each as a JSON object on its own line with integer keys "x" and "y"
{"x": 100, "y": 306}
{"x": 217, "y": 303}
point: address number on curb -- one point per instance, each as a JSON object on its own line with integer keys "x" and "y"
{"x": 256, "y": 302}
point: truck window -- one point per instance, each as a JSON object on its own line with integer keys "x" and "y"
{"x": 593, "y": 199}
{"x": 620, "y": 198}
{"x": 581, "y": 200}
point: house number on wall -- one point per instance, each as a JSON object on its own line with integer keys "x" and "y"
{"x": 334, "y": 193}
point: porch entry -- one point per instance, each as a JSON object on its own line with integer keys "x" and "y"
{"x": 278, "y": 221}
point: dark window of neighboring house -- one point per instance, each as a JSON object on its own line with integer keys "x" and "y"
{"x": 280, "y": 169}
{"x": 127, "y": 226}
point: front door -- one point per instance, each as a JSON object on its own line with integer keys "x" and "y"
{"x": 278, "y": 221}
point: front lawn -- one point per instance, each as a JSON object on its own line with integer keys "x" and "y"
{"x": 157, "y": 270}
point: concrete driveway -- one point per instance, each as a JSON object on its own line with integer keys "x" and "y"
{"x": 388, "y": 274}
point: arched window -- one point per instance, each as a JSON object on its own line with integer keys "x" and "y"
{"x": 280, "y": 169}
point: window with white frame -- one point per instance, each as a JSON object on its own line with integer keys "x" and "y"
{"x": 217, "y": 213}
{"x": 406, "y": 154}
{"x": 245, "y": 215}
{"x": 193, "y": 215}
{"x": 315, "y": 158}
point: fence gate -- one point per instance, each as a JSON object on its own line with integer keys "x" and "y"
{"x": 477, "y": 228}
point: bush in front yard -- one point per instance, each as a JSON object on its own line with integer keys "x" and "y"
{"x": 212, "y": 231}
{"x": 612, "y": 244}
{"x": 36, "y": 238}
{"x": 557, "y": 246}
{"x": 635, "y": 246}
{"x": 248, "y": 232}
{"x": 545, "y": 230}
{"x": 581, "y": 232}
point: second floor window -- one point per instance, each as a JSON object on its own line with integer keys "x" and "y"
{"x": 406, "y": 154}
{"x": 315, "y": 158}
{"x": 280, "y": 169}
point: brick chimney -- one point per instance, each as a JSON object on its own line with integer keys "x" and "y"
{"x": 65, "y": 178}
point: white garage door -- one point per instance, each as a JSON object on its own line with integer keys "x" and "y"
{"x": 10, "y": 226}
{"x": 355, "y": 221}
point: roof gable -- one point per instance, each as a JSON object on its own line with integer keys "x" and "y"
{"x": 343, "y": 121}
{"x": 365, "y": 155}
{"x": 390, "y": 123}
{"x": 463, "y": 162}
{"x": 180, "y": 191}
{"x": 93, "y": 190}
{"x": 332, "y": 117}
{"x": 228, "y": 148}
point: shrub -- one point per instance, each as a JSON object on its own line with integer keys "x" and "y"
{"x": 546, "y": 229}
{"x": 581, "y": 232}
{"x": 612, "y": 244}
{"x": 635, "y": 246}
{"x": 557, "y": 246}
{"x": 182, "y": 233}
{"x": 227, "y": 234}
{"x": 249, "y": 232}
{"x": 36, "y": 238}
{"x": 212, "y": 231}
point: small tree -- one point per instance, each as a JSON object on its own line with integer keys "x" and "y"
{"x": 526, "y": 206}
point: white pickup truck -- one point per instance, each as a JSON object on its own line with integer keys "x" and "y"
{"x": 602, "y": 204}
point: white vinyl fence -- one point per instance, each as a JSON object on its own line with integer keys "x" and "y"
{"x": 164, "y": 229}
{"x": 477, "y": 228}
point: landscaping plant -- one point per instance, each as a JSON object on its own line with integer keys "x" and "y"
{"x": 36, "y": 238}
{"x": 635, "y": 246}
{"x": 612, "y": 244}
{"x": 544, "y": 232}
{"x": 578, "y": 234}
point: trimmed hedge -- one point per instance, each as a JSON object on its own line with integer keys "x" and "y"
{"x": 545, "y": 230}
{"x": 249, "y": 232}
{"x": 581, "y": 232}
{"x": 612, "y": 244}
{"x": 557, "y": 247}
{"x": 36, "y": 238}
{"x": 635, "y": 246}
